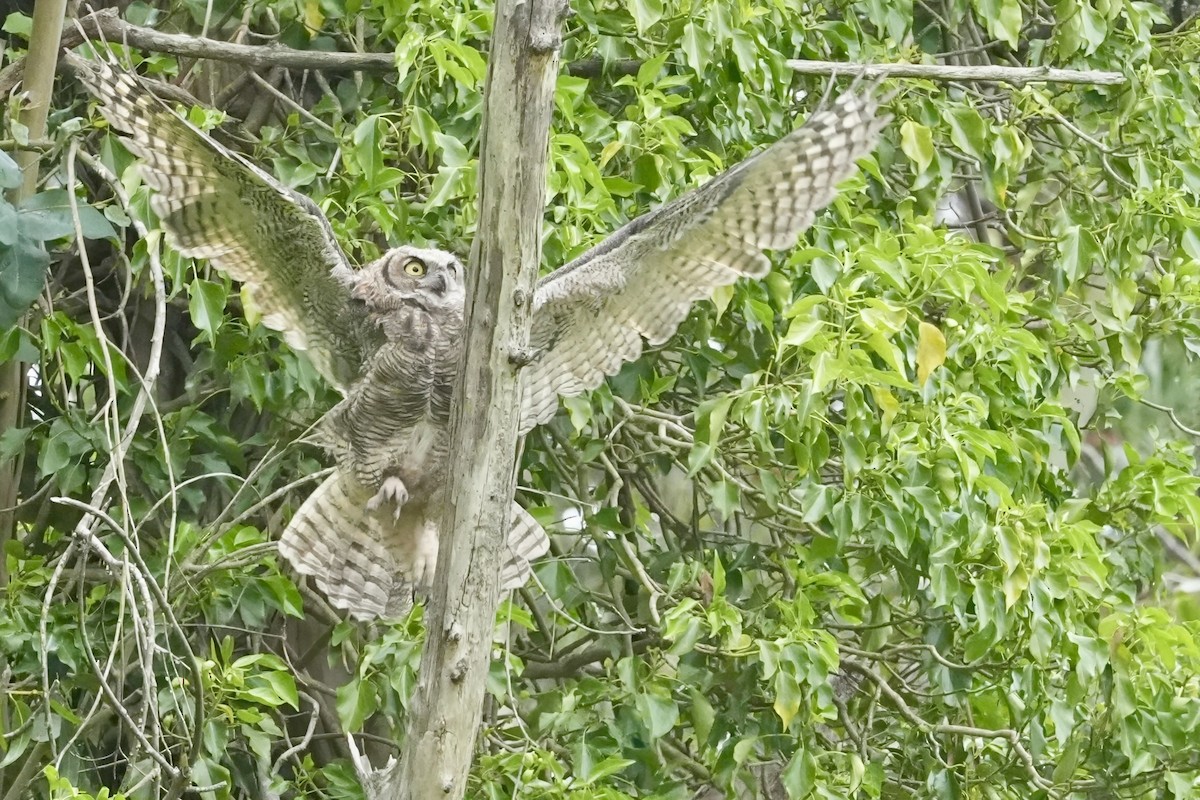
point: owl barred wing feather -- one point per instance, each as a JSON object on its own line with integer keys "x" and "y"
{"x": 590, "y": 316}
{"x": 214, "y": 204}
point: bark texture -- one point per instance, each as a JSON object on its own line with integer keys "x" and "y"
{"x": 519, "y": 98}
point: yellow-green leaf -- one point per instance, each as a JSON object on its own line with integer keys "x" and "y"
{"x": 881, "y": 317}
{"x": 800, "y": 331}
{"x": 250, "y": 308}
{"x": 721, "y": 297}
{"x": 1007, "y": 25}
{"x": 610, "y": 150}
{"x": 889, "y": 352}
{"x": 931, "y": 351}
{"x": 888, "y": 405}
{"x": 787, "y": 698}
{"x": 314, "y": 17}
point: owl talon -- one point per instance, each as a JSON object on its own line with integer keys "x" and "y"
{"x": 391, "y": 490}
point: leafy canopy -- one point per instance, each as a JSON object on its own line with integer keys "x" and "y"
{"x": 903, "y": 519}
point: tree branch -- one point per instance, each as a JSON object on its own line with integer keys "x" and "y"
{"x": 566, "y": 666}
{"x": 953, "y": 72}
{"x": 105, "y": 24}
{"x": 108, "y": 25}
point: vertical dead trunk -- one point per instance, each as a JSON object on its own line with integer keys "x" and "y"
{"x": 40, "y": 65}
{"x": 519, "y": 97}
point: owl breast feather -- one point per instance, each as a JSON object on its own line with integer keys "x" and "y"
{"x": 395, "y": 418}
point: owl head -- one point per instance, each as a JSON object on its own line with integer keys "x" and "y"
{"x": 410, "y": 278}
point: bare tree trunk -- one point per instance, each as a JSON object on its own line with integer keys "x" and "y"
{"x": 48, "y": 16}
{"x": 444, "y": 721}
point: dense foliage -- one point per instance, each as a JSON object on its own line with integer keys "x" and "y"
{"x": 914, "y": 516}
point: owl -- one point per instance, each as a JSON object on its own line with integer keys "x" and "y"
{"x": 388, "y": 336}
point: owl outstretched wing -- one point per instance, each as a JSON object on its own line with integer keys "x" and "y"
{"x": 590, "y": 316}
{"x": 215, "y": 204}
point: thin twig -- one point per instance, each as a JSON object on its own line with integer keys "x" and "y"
{"x": 1170, "y": 412}
{"x": 290, "y": 103}
{"x": 1007, "y": 734}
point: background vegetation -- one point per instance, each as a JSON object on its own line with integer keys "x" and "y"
{"x": 914, "y": 517}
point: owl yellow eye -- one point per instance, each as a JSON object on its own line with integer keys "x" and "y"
{"x": 414, "y": 267}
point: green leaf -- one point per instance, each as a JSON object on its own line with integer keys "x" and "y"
{"x": 286, "y": 595}
{"x": 725, "y": 497}
{"x": 605, "y": 768}
{"x": 659, "y": 713}
{"x": 20, "y": 132}
{"x": 17, "y": 343}
{"x": 60, "y": 449}
{"x": 1003, "y": 19}
{"x": 697, "y": 47}
{"x": 645, "y": 13}
{"x": 423, "y": 128}
{"x": 1007, "y": 25}
{"x": 22, "y": 275}
{"x": 407, "y": 51}
{"x": 703, "y": 716}
{"x": 21, "y": 25}
{"x": 10, "y": 173}
{"x": 12, "y": 442}
{"x": 47, "y": 215}
{"x": 968, "y": 131}
{"x": 1092, "y": 26}
{"x": 800, "y": 331}
{"x": 207, "y": 307}
{"x": 881, "y": 317}
{"x": 279, "y": 686}
{"x": 454, "y": 153}
{"x": 10, "y": 229}
{"x": 710, "y": 420}
{"x": 356, "y": 701}
{"x": 368, "y": 147}
{"x": 916, "y": 141}
{"x": 800, "y": 775}
{"x": 1078, "y": 251}
{"x": 461, "y": 63}
{"x": 650, "y": 68}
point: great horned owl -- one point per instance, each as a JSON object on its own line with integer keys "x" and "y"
{"x": 389, "y": 335}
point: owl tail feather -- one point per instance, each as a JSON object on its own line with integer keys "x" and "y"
{"x": 343, "y": 547}
{"x": 371, "y": 565}
{"x": 526, "y": 542}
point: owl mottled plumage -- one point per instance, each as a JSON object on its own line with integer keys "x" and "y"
{"x": 590, "y": 316}
{"x": 389, "y": 336}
